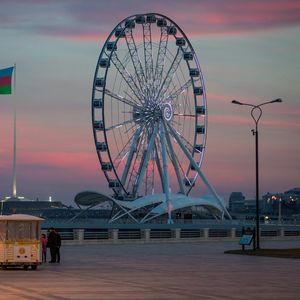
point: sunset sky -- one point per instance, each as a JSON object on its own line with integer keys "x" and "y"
{"x": 248, "y": 50}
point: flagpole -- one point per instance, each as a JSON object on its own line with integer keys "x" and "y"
{"x": 14, "y": 187}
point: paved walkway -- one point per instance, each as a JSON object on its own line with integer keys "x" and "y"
{"x": 157, "y": 271}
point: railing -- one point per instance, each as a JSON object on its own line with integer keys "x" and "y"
{"x": 67, "y": 235}
{"x": 269, "y": 233}
{"x": 148, "y": 235}
{"x": 160, "y": 234}
{"x": 220, "y": 233}
{"x": 191, "y": 233}
{"x": 291, "y": 233}
{"x": 129, "y": 234}
{"x": 96, "y": 235}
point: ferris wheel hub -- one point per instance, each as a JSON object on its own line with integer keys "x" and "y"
{"x": 167, "y": 112}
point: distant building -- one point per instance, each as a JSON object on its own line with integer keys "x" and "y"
{"x": 236, "y": 202}
{"x": 288, "y": 202}
{"x": 22, "y": 205}
{"x": 295, "y": 191}
{"x": 50, "y": 210}
{"x": 250, "y": 206}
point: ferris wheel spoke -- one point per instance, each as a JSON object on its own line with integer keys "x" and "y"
{"x": 174, "y": 95}
{"x": 130, "y": 81}
{"x": 120, "y": 98}
{"x": 120, "y": 156}
{"x": 170, "y": 74}
{"x": 174, "y": 122}
{"x": 160, "y": 61}
{"x": 132, "y": 98}
{"x": 119, "y": 125}
{"x": 184, "y": 115}
{"x": 173, "y": 159}
{"x": 135, "y": 59}
{"x": 130, "y": 128}
{"x": 147, "y": 39}
{"x": 183, "y": 105}
{"x": 144, "y": 161}
{"x": 133, "y": 144}
{"x": 188, "y": 145}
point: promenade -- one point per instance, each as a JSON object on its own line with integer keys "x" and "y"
{"x": 198, "y": 270}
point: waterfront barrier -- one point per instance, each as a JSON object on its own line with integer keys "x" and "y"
{"x": 156, "y": 235}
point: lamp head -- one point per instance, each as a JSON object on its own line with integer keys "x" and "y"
{"x": 276, "y": 100}
{"x": 236, "y": 102}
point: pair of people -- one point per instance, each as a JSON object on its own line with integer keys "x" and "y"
{"x": 54, "y": 243}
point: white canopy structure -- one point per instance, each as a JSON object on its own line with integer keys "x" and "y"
{"x": 153, "y": 206}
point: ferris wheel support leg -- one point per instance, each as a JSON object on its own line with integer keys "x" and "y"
{"x": 130, "y": 155}
{"x": 166, "y": 173}
{"x": 195, "y": 165}
{"x": 145, "y": 162}
{"x": 159, "y": 168}
{"x": 173, "y": 159}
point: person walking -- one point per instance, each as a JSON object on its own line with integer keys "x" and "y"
{"x": 44, "y": 241}
{"x": 52, "y": 244}
{"x": 58, "y": 245}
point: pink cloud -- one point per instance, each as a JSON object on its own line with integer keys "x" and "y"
{"x": 96, "y": 19}
{"x": 60, "y": 160}
{"x": 235, "y": 17}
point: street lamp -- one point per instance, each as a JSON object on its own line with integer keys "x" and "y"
{"x": 256, "y": 113}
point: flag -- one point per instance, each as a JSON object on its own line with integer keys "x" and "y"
{"x": 5, "y": 80}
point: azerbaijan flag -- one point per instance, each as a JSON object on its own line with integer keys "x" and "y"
{"x": 5, "y": 80}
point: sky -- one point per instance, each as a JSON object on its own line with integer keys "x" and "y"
{"x": 248, "y": 50}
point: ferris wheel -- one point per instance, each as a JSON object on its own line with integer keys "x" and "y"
{"x": 149, "y": 109}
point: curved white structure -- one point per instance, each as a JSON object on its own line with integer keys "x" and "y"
{"x": 154, "y": 205}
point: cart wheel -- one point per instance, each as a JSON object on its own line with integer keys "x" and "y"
{"x": 33, "y": 267}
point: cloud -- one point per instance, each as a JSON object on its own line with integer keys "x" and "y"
{"x": 239, "y": 121}
{"x": 94, "y": 19}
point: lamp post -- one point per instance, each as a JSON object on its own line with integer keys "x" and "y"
{"x": 256, "y": 113}
{"x": 279, "y": 211}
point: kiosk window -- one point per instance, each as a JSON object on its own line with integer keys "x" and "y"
{"x": 22, "y": 230}
{"x": 2, "y": 231}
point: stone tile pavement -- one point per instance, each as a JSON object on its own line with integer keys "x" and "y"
{"x": 157, "y": 271}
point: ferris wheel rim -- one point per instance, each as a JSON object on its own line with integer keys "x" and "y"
{"x": 103, "y": 92}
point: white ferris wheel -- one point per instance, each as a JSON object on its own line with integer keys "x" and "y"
{"x": 149, "y": 117}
